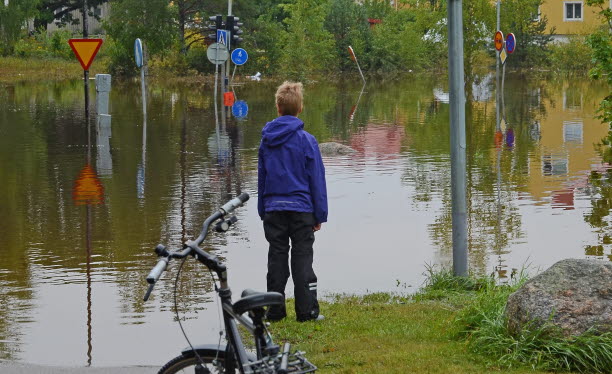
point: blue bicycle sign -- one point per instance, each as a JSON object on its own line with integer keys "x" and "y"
{"x": 239, "y": 56}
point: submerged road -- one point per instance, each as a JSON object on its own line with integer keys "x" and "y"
{"x": 17, "y": 368}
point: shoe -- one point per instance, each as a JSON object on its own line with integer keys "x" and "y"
{"x": 320, "y": 317}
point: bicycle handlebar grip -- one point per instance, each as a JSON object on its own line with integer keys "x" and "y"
{"x": 235, "y": 203}
{"x": 244, "y": 197}
{"x": 157, "y": 271}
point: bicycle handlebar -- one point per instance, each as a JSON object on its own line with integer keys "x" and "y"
{"x": 192, "y": 247}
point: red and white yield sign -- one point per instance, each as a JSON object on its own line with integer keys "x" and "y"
{"x": 85, "y": 50}
{"x": 499, "y": 40}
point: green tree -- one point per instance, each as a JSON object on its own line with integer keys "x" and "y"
{"x": 478, "y": 26}
{"x": 12, "y": 21}
{"x": 60, "y": 11}
{"x": 601, "y": 45}
{"x": 518, "y": 17}
{"x": 348, "y": 23}
{"x": 397, "y": 43}
{"x": 189, "y": 22}
{"x": 151, "y": 21}
{"x": 307, "y": 48}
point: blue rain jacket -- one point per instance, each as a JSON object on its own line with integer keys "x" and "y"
{"x": 291, "y": 175}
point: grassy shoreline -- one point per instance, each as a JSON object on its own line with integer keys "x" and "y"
{"x": 453, "y": 325}
{"x": 15, "y": 69}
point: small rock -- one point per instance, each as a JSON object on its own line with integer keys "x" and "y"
{"x": 333, "y": 148}
{"x": 575, "y": 295}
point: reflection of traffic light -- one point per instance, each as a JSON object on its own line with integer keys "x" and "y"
{"x": 216, "y": 25}
{"x": 233, "y": 26}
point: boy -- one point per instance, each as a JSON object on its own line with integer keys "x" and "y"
{"x": 292, "y": 202}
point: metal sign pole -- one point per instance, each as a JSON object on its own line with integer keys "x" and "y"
{"x": 457, "y": 123}
{"x": 229, "y": 38}
{"x": 497, "y": 69}
{"x": 144, "y": 92}
{"x": 86, "y": 72}
{"x": 234, "y": 72}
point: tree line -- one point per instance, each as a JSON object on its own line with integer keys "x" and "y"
{"x": 295, "y": 38}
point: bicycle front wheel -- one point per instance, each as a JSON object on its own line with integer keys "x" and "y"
{"x": 187, "y": 364}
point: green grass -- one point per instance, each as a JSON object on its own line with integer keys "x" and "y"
{"x": 16, "y": 69}
{"x": 454, "y": 325}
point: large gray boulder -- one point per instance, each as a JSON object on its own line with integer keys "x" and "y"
{"x": 333, "y": 148}
{"x": 574, "y": 295}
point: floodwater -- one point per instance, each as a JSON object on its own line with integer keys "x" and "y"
{"x": 83, "y": 203}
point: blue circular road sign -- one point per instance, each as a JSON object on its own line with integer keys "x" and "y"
{"x": 240, "y": 109}
{"x": 138, "y": 52}
{"x": 239, "y": 56}
{"x": 510, "y": 43}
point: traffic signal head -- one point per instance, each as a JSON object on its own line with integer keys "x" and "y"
{"x": 218, "y": 22}
{"x": 234, "y": 28}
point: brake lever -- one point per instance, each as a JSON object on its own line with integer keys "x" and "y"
{"x": 224, "y": 225}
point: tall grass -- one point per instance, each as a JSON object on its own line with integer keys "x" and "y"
{"x": 482, "y": 322}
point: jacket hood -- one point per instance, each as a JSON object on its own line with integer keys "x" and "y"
{"x": 280, "y": 130}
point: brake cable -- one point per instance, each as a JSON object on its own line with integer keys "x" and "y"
{"x": 212, "y": 276}
{"x": 178, "y": 273}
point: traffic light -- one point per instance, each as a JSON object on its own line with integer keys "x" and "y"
{"x": 216, "y": 25}
{"x": 233, "y": 26}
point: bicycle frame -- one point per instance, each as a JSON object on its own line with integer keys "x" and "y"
{"x": 257, "y": 329}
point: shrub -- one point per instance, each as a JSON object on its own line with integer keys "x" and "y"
{"x": 43, "y": 45}
{"x": 573, "y": 56}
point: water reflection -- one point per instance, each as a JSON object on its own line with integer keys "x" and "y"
{"x": 534, "y": 179}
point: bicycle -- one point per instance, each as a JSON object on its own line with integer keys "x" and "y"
{"x": 232, "y": 357}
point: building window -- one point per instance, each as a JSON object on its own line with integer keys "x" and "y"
{"x": 573, "y": 11}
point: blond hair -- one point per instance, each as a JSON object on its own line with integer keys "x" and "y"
{"x": 289, "y": 98}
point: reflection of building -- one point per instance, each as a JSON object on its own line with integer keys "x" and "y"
{"x": 566, "y": 154}
{"x": 383, "y": 142}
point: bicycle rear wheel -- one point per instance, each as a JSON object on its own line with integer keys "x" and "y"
{"x": 187, "y": 363}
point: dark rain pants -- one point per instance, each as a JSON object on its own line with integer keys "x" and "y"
{"x": 280, "y": 227}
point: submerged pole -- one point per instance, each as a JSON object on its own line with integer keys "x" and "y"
{"x": 457, "y": 134}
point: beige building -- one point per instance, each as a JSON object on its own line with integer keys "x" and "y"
{"x": 570, "y": 17}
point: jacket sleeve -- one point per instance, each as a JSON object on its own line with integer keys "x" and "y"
{"x": 261, "y": 184}
{"x": 316, "y": 180}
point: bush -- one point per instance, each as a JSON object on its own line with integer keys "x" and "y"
{"x": 198, "y": 60}
{"x": 573, "y": 56}
{"x": 43, "y": 45}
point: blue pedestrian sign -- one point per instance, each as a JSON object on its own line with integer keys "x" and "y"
{"x": 138, "y": 52}
{"x": 222, "y": 38}
{"x": 240, "y": 109}
{"x": 239, "y": 56}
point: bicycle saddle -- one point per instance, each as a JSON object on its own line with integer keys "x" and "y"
{"x": 251, "y": 299}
